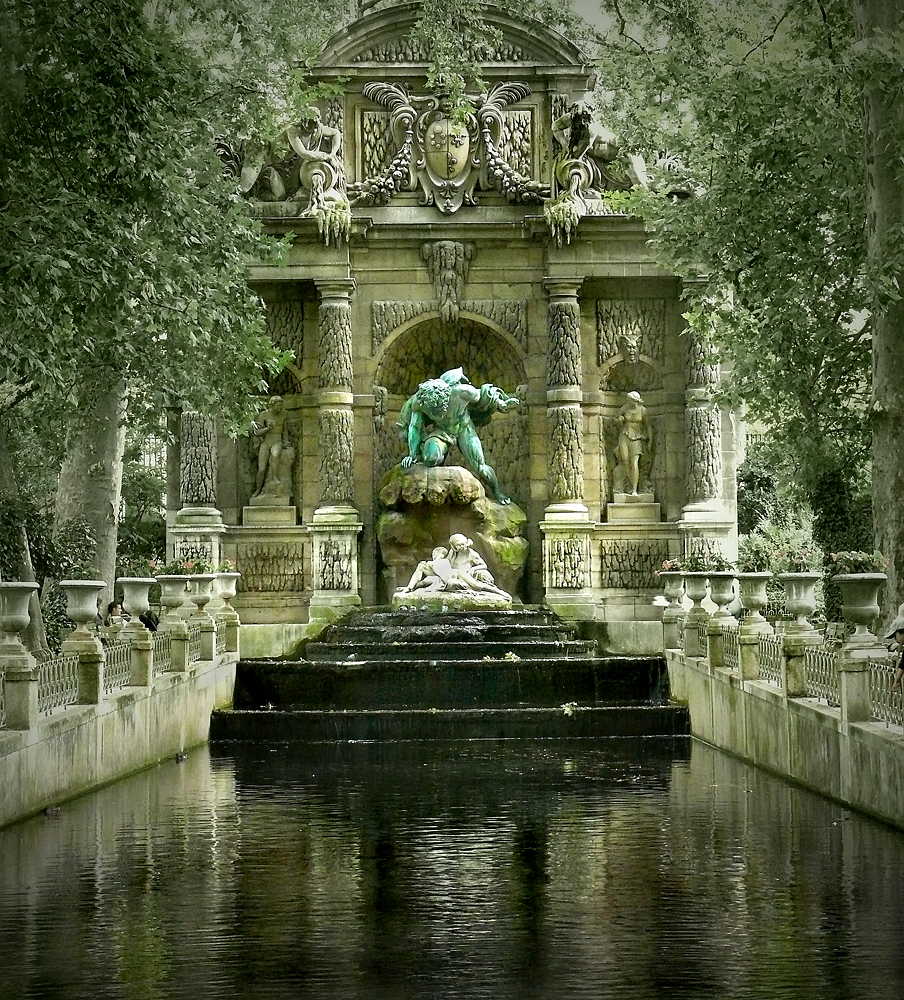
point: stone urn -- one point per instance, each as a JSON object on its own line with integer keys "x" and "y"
{"x": 800, "y": 598}
{"x": 860, "y": 604}
{"x": 753, "y": 596}
{"x": 721, "y": 591}
{"x": 672, "y": 585}
{"x": 81, "y": 601}
{"x": 226, "y": 586}
{"x": 695, "y": 587}
{"x": 14, "y": 616}
{"x": 200, "y": 592}
{"x": 135, "y": 591}
{"x": 172, "y": 595}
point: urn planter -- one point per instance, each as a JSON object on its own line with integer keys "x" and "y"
{"x": 753, "y": 596}
{"x": 672, "y": 584}
{"x": 695, "y": 586}
{"x": 172, "y": 595}
{"x": 135, "y": 595}
{"x": 14, "y": 616}
{"x": 800, "y": 598}
{"x": 226, "y": 587}
{"x": 200, "y": 592}
{"x": 81, "y": 601}
{"x": 721, "y": 591}
{"x": 860, "y": 604}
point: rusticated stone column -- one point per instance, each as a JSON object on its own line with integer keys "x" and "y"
{"x": 563, "y": 396}
{"x": 335, "y": 524}
{"x": 703, "y": 426}
{"x": 566, "y": 527}
{"x": 198, "y": 525}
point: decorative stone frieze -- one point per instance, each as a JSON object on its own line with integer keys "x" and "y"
{"x": 565, "y": 570}
{"x": 271, "y": 565}
{"x": 631, "y": 565}
{"x": 410, "y": 49}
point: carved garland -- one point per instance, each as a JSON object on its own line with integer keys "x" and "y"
{"x": 631, "y": 565}
{"x": 335, "y": 564}
{"x": 271, "y": 566}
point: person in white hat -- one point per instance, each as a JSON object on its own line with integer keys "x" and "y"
{"x": 896, "y": 632}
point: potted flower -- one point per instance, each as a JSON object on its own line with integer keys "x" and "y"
{"x": 859, "y": 576}
{"x": 754, "y": 559}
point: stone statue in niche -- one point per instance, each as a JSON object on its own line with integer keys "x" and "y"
{"x": 456, "y": 568}
{"x": 446, "y": 411}
{"x": 635, "y": 443}
{"x": 275, "y": 454}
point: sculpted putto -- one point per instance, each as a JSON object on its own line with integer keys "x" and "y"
{"x": 448, "y": 410}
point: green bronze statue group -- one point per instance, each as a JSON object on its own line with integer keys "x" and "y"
{"x": 446, "y": 411}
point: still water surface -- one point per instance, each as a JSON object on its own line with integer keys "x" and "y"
{"x": 628, "y": 869}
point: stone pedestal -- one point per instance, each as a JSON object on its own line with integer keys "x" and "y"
{"x": 567, "y": 533}
{"x": 266, "y": 515}
{"x": 334, "y": 534}
{"x": 633, "y": 508}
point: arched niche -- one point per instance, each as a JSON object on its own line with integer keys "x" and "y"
{"x": 425, "y": 348}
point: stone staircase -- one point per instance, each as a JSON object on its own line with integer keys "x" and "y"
{"x": 380, "y": 673}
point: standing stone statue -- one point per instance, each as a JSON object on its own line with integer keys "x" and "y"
{"x": 635, "y": 440}
{"x": 274, "y": 453}
{"x": 448, "y": 410}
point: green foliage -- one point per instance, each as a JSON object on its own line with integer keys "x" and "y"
{"x": 755, "y": 553}
{"x": 122, "y": 246}
{"x": 705, "y": 557}
{"x": 857, "y": 562}
{"x": 458, "y": 40}
{"x": 142, "y": 530}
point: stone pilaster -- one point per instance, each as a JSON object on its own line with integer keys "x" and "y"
{"x": 335, "y": 525}
{"x": 198, "y": 525}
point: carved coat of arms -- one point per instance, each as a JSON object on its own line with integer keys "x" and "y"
{"x": 444, "y": 157}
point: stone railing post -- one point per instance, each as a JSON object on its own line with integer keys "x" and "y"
{"x": 141, "y": 653}
{"x": 696, "y": 617}
{"x": 208, "y": 638}
{"x": 19, "y": 675}
{"x": 748, "y": 654}
{"x": 91, "y": 662}
{"x": 715, "y": 644}
{"x": 179, "y": 651}
{"x": 794, "y": 675}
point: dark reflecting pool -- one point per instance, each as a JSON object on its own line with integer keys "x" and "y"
{"x": 505, "y": 870}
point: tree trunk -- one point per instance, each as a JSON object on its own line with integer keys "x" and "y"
{"x": 91, "y": 476}
{"x": 883, "y": 118}
{"x": 33, "y": 637}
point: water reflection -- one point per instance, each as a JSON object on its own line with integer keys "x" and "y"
{"x": 628, "y": 869}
